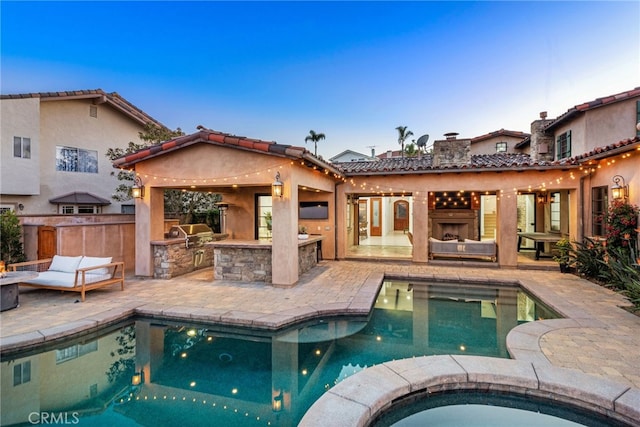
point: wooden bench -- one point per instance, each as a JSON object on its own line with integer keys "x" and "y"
{"x": 74, "y": 274}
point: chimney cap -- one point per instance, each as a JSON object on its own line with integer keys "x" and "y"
{"x": 451, "y": 135}
{"x": 543, "y": 115}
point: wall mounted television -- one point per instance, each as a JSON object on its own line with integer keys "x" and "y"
{"x": 314, "y": 210}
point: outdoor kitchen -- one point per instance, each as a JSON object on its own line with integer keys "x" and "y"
{"x": 183, "y": 250}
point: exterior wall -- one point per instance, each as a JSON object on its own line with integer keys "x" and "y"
{"x": 67, "y": 123}
{"x": 488, "y": 146}
{"x": 52, "y": 123}
{"x": 628, "y": 168}
{"x": 600, "y": 126}
{"x": 614, "y": 122}
{"x": 18, "y": 176}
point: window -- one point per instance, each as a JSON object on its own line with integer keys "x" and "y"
{"x": 75, "y": 351}
{"x": 265, "y": 216}
{"x": 501, "y": 147}
{"x": 555, "y": 211}
{"x": 21, "y": 147}
{"x": 127, "y": 209}
{"x": 599, "y": 205}
{"x": 22, "y": 373}
{"x": 79, "y": 209}
{"x": 563, "y": 145}
{"x": 70, "y": 159}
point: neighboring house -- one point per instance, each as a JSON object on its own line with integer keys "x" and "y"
{"x": 352, "y": 156}
{"x": 53, "y": 150}
{"x": 500, "y": 141}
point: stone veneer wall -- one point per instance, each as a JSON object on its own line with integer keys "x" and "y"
{"x": 243, "y": 264}
{"x": 253, "y": 264}
{"x": 173, "y": 260}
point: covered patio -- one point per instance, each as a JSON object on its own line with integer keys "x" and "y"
{"x": 258, "y": 180}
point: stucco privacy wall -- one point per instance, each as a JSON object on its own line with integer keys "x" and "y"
{"x": 20, "y": 117}
{"x": 505, "y": 184}
{"x": 238, "y": 175}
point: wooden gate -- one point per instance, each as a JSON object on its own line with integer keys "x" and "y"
{"x": 47, "y": 246}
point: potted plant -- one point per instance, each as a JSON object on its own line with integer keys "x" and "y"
{"x": 302, "y": 232}
{"x": 563, "y": 256}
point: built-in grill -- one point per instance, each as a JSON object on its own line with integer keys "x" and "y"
{"x": 193, "y": 234}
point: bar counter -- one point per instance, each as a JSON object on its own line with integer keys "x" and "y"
{"x": 250, "y": 260}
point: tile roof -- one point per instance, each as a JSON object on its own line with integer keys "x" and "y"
{"x": 598, "y": 102}
{"x": 112, "y": 98}
{"x": 501, "y": 132}
{"x": 424, "y": 164}
{"x": 481, "y": 162}
{"x": 608, "y": 150}
{"x": 223, "y": 139}
{"x": 80, "y": 198}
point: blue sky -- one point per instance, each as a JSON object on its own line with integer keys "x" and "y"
{"x": 352, "y": 70}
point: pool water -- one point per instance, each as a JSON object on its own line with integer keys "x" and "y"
{"x": 154, "y": 372}
{"x": 480, "y": 409}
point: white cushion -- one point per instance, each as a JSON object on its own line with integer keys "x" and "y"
{"x": 65, "y": 280}
{"x": 54, "y": 278}
{"x": 65, "y": 264}
{"x": 90, "y": 261}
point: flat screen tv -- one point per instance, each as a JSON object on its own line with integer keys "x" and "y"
{"x": 314, "y": 210}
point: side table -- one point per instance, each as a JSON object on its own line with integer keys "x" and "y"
{"x": 9, "y": 287}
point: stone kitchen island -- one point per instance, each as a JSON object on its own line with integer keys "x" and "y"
{"x": 250, "y": 260}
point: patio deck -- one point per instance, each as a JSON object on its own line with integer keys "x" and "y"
{"x": 597, "y": 337}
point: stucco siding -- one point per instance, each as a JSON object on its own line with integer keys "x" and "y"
{"x": 68, "y": 123}
{"x": 488, "y": 146}
{"x": 19, "y": 176}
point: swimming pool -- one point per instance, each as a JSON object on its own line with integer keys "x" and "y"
{"x": 150, "y": 371}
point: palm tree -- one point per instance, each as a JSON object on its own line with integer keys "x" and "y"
{"x": 403, "y": 134}
{"x": 315, "y": 137}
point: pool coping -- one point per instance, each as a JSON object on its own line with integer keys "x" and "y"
{"x": 359, "y": 399}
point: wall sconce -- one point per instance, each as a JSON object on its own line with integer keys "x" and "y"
{"x": 619, "y": 191}
{"x": 276, "y": 187}
{"x": 20, "y": 206}
{"x": 543, "y": 198}
{"x": 277, "y": 402}
{"x": 137, "y": 378}
{"x": 137, "y": 191}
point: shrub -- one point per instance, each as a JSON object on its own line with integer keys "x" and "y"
{"x": 11, "y": 249}
{"x": 589, "y": 257}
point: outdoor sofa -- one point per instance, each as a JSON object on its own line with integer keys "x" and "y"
{"x": 73, "y": 273}
{"x": 463, "y": 249}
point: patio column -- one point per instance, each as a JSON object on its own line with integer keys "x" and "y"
{"x": 420, "y": 231}
{"x": 149, "y": 226}
{"x": 507, "y": 230}
{"x": 284, "y": 250}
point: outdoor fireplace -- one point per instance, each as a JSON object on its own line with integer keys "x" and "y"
{"x": 454, "y": 224}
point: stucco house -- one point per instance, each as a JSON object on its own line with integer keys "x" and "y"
{"x": 53, "y": 150}
{"x": 555, "y": 186}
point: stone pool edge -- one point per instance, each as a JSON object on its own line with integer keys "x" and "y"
{"x": 359, "y": 399}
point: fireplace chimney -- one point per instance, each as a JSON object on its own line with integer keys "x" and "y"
{"x": 451, "y": 151}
